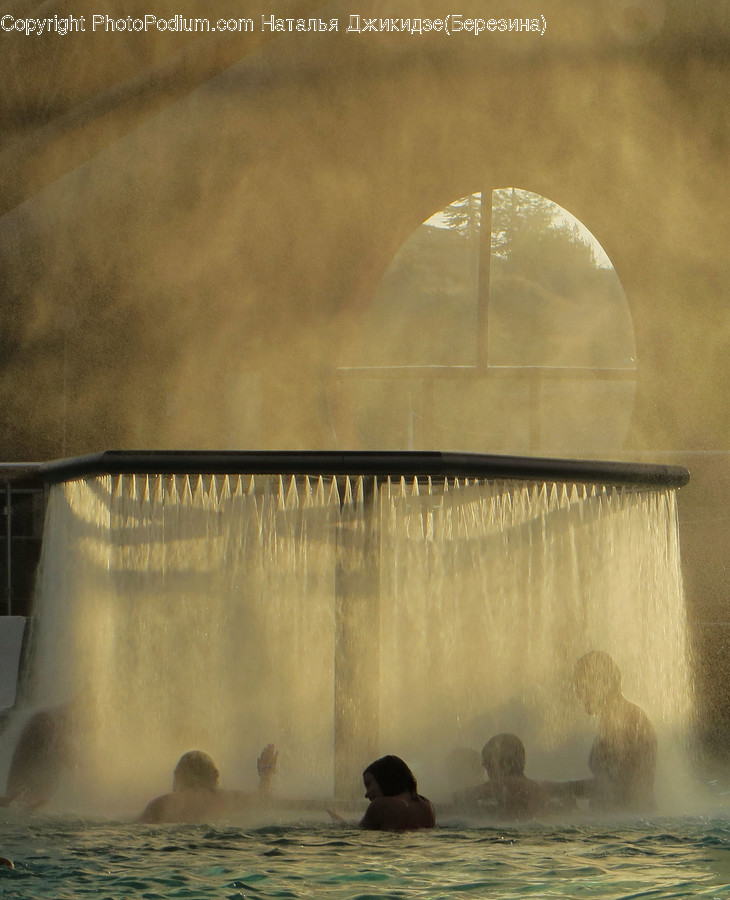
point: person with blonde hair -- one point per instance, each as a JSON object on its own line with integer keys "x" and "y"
{"x": 196, "y": 794}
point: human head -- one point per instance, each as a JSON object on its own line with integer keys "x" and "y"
{"x": 504, "y": 755}
{"x": 597, "y": 680}
{"x": 195, "y": 770}
{"x": 392, "y": 776}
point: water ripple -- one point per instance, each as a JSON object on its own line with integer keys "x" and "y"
{"x": 624, "y": 861}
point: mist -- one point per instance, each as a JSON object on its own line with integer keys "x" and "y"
{"x": 195, "y": 227}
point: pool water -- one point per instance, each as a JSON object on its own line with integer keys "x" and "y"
{"x": 658, "y": 858}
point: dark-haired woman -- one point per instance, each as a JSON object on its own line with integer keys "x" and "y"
{"x": 395, "y": 804}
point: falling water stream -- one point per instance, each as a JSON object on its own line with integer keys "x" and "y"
{"x": 346, "y": 617}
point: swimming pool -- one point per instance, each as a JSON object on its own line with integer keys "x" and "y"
{"x": 657, "y": 858}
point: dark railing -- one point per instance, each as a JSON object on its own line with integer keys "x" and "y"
{"x": 380, "y": 464}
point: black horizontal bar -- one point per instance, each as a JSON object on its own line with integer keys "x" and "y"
{"x": 380, "y": 464}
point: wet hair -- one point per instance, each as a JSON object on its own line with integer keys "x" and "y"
{"x": 195, "y": 770}
{"x": 598, "y": 669}
{"x": 393, "y": 776}
{"x": 504, "y": 754}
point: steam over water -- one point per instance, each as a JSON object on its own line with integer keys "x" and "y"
{"x": 344, "y": 618}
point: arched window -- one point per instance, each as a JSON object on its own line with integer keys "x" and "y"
{"x": 497, "y": 331}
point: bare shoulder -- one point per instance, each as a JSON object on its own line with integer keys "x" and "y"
{"x": 156, "y": 810}
{"x": 474, "y": 796}
{"x": 428, "y": 812}
{"x": 399, "y": 814}
{"x": 191, "y": 807}
{"x": 378, "y": 814}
